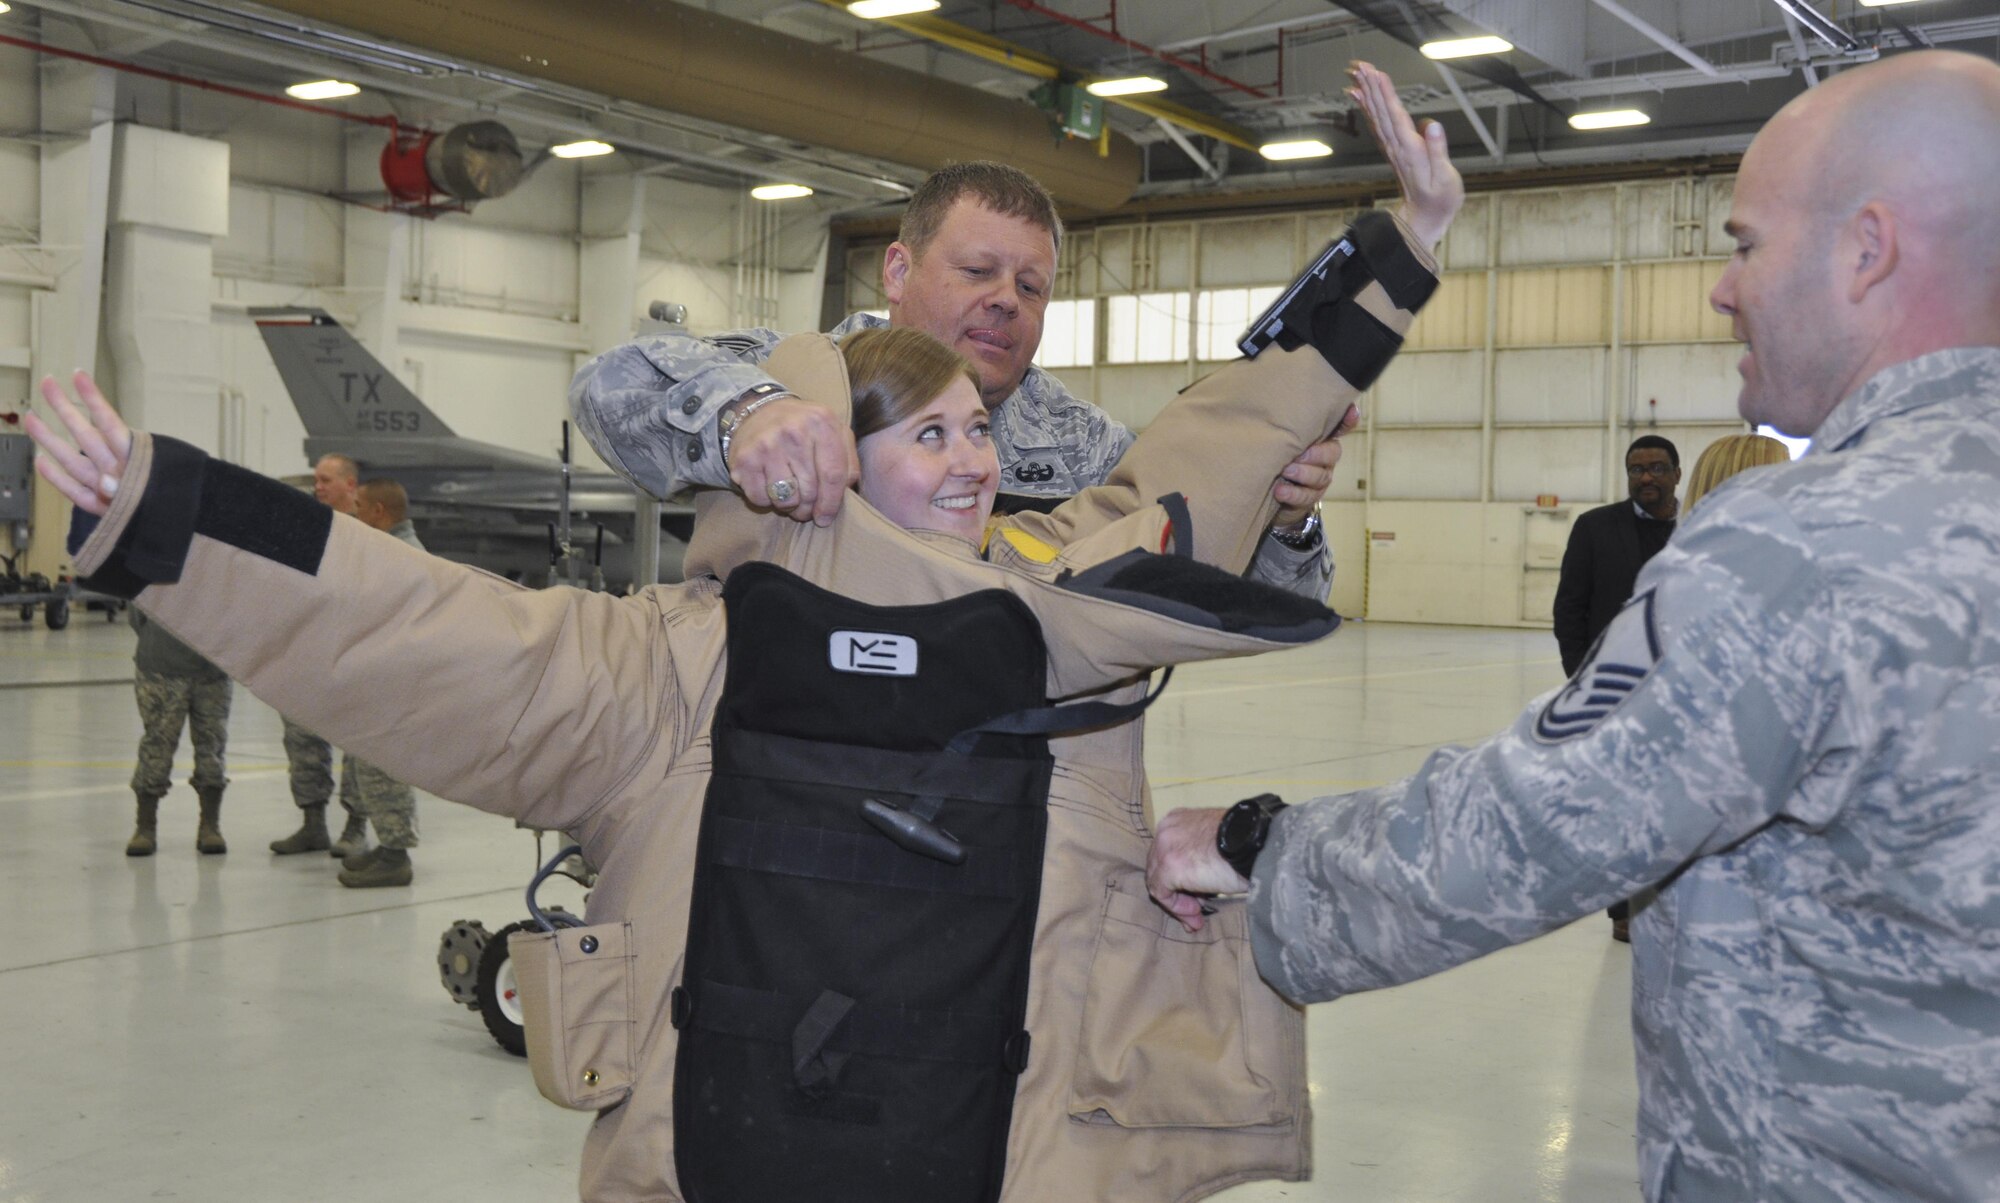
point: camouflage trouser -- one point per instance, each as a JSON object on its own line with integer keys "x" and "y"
{"x": 311, "y": 759}
{"x": 365, "y": 790}
{"x": 389, "y": 805}
{"x": 164, "y": 704}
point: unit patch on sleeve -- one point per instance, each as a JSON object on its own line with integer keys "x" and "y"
{"x": 1621, "y": 658}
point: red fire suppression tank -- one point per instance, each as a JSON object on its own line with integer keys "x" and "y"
{"x": 403, "y": 170}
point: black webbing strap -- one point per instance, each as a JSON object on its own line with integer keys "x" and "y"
{"x": 815, "y": 1068}
{"x": 858, "y": 858}
{"x": 1381, "y": 254}
{"x": 1355, "y": 342}
{"x": 1180, "y": 523}
{"x": 1058, "y": 720}
{"x": 868, "y": 1031}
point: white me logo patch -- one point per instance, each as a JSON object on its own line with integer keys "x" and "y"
{"x": 872, "y": 652}
{"x": 1620, "y": 659}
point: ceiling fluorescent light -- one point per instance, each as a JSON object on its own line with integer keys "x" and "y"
{"x": 6, "y": 7}
{"x": 1826, "y": 31}
{"x": 581, "y": 150}
{"x": 1884, "y": 3}
{"x": 1608, "y": 119}
{"x": 1466, "y": 47}
{"x": 321, "y": 89}
{"x": 875, "y": 10}
{"x": 1132, "y": 85}
{"x": 1296, "y": 148}
{"x": 780, "y": 191}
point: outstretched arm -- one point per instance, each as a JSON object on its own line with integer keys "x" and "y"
{"x": 531, "y": 703}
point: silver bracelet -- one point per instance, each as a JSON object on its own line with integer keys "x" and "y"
{"x": 733, "y": 418}
{"x": 1306, "y": 538}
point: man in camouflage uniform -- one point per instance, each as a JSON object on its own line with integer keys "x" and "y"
{"x": 973, "y": 265}
{"x": 1793, "y": 729}
{"x": 389, "y": 804}
{"x": 337, "y": 484}
{"x": 175, "y": 685}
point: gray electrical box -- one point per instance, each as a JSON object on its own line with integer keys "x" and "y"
{"x": 17, "y": 470}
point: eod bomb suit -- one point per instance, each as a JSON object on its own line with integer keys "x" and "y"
{"x": 869, "y": 807}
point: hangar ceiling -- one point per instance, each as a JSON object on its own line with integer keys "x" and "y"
{"x": 1237, "y": 72}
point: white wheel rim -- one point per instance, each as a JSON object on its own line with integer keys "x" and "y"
{"x": 509, "y": 998}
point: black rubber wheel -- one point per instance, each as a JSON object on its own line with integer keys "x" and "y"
{"x": 28, "y": 612}
{"x": 499, "y": 1003}
{"x": 57, "y": 614}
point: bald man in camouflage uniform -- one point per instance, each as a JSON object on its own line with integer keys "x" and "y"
{"x": 1793, "y": 729}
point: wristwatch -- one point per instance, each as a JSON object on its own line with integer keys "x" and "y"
{"x": 1306, "y": 537}
{"x": 1245, "y": 827}
{"x": 733, "y": 414}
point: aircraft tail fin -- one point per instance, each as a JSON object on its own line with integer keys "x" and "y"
{"x": 339, "y": 389}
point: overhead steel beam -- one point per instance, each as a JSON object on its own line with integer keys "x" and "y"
{"x": 1665, "y": 43}
{"x": 1179, "y": 139}
{"x": 1471, "y": 114}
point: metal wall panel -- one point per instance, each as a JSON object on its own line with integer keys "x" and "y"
{"x": 1132, "y": 393}
{"x": 1562, "y": 384}
{"x": 1252, "y": 251}
{"x": 507, "y": 270}
{"x": 1426, "y": 465}
{"x": 1686, "y": 382}
{"x": 1567, "y": 462}
{"x": 1431, "y": 387}
{"x": 1572, "y": 226}
{"x": 1668, "y": 302}
{"x": 1466, "y": 245}
{"x": 1454, "y": 317}
{"x": 1541, "y": 307}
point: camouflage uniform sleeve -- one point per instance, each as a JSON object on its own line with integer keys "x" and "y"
{"x": 649, "y": 407}
{"x": 1305, "y": 573}
{"x": 1712, "y": 699}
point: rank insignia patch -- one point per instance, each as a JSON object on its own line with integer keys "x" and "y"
{"x": 1622, "y": 657}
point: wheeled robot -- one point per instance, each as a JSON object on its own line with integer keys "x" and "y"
{"x": 474, "y": 964}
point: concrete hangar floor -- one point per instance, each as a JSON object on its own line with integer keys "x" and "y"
{"x": 242, "y": 1028}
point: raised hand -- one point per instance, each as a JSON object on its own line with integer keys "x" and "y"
{"x": 89, "y": 472}
{"x": 802, "y": 445}
{"x": 1432, "y": 188}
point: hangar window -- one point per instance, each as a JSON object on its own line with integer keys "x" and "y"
{"x": 1221, "y": 314}
{"x": 1151, "y": 327}
{"x": 1069, "y": 335}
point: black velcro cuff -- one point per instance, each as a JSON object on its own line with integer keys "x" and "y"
{"x": 1379, "y": 244}
{"x": 1354, "y": 341}
{"x": 263, "y": 517}
{"x": 188, "y": 492}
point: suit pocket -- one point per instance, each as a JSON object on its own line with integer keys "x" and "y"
{"x": 1178, "y": 1029}
{"x": 576, "y": 1003}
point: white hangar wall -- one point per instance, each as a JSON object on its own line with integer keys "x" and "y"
{"x": 140, "y": 219}
{"x": 1567, "y": 322}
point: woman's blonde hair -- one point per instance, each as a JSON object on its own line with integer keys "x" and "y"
{"x": 895, "y": 371}
{"x": 1726, "y": 457}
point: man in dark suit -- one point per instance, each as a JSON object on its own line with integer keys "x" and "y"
{"x": 1609, "y": 544}
{"x": 1607, "y": 547}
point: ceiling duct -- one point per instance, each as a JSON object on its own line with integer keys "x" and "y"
{"x": 683, "y": 60}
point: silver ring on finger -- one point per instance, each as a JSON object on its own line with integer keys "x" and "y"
{"x": 783, "y": 491}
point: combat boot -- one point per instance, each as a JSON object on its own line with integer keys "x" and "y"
{"x": 145, "y": 836}
{"x": 353, "y": 838}
{"x": 387, "y": 867}
{"x": 311, "y": 835}
{"x": 208, "y": 836}
{"x": 360, "y": 860}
